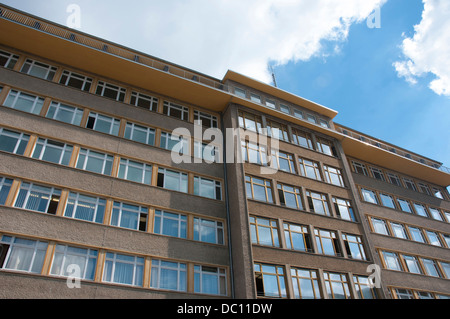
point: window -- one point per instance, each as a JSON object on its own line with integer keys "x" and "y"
{"x": 52, "y": 151}
{"x": 170, "y": 224}
{"x": 239, "y": 92}
{"x": 259, "y": 189}
{"x": 22, "y": 254}
{"x": 318, "y": 203}
{"x": 208, "y": 231}
{"x": 393, "y": 179}
{"x": 377, "y": 174}
{"x": 433, "y": 238}
{"x": 309, "y": 169}
{"x": 420, "y": 210}
{"x": 302, "y": 139}
{"x": 298, "y": 114}
{"x": 270, "y": 103}
{"x": 409, "y": 184}
{"x": 210, "y": 280}
{"x": 66, "y": 256}
{"x": 325, "y": 147}
{"x": 424, "y": 295}
{"x": 95, "y": 162}
{"x": 277, "y": 130}
{"x": 285, "y": 109}
{"x": 123, "y": 269}
{"x": 379, "y": 226}
{"x": 284, "y": 161}
{"x": 446, "y": 239}
{"x": 141, "y": 134}
{"x": 172, "y": 180}
{"x": 435, "y": 214}
{"x": 85, "y": 207}
{"x": 344, "y": 209}
{"x": 360, "y": 168}
{"x": 24, "y": 102}
{"x": 424, "y": 188}
{"x": 438, "y": 193}
{"x": 404, "y": 205}
{"x": 129, "y": 216}
{"x": 110, "y": 91}
{"x": 363, "y": 287}
{"x": 144, "y": 101}
{"x": 264, "y": 231}
{"x": 290, "y": 196}
{"x": 392, "y": 261}
{"x": 327, "y": 242}
{"x": 311, "y": 118}
{"x": 254, "y": 153}
{"x": 333, "y": 176}
{"x": 206, "y": 119}
{"x": 168, "y": 275}
{"x": 431, "y": 267}
{"x": 255, "y": 98}
{"x": 416, "y": 234}
{"x": 38, "y": 69}
{"x": 5, "y": 187}
{"x": 270, "y": 281}
{"x": 65, "y": 113}
{"x": 135, "y": 171}
{"x": 38, "y": 198}
{"x": 305, "y": 284}
{"x": 354, "y": 246}
{"x": 446, "y": 269}
{"x": 404, "y": 293}
{"x": 324, "y": 123}
{"x": 297, "y": 237}
{"x": 207, "y": 152}
{"x": 13, "y": 142}
{"x": 8, "y": 60}
{"x": 103, "y": 123}
{"x": 399, "y": 230}
{"x": 250, "y": 122}
{"x": 207, "y": 188}
{"x": 387, "y": 200}
{"x": 412, "y": 264}
{"x": 174, "y": 143}
{"x": 75, "y": 80}
{"x": 177, "y": 111}
{"x": 336, "y": 285}
{"x": 369, "y": 196}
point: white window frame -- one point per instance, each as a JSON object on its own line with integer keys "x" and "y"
{"x": 114, "y": 123}
{"x": 22, "y": 140}
{"x": 220, "y": 274}
{"x": 50, "y": 193}
{"x": 14, "y": 96}
{"x": 159, "y": 265}
{"x": 111, "y": 258}
{"x": 57, "y": 107}
{"x": 49, "y": 70}
{"x": 153, "y": 101}
{"x": 119, "y": 209}
{"x": 45, "y": 144}
{"x": 131, "y": 128}
{"x": 200, "y": 116}
{"x": 96, "y": 201}
{"x": 200, "y": 227}
{"x": 87, "y": 81}
{"x": 102, "y": 86}
{"x": 60, "y": 269}
{"x": 146, "y": 171}
{"x": 182, "y": 179}
{"x": 87, "y": 153}
{"x": 201, "y": 182}
{"x": 164, "y": 216}
{"x": 11, "y": 59}
{"x": 181, "y": 146}
{"x": 168, "y": 106}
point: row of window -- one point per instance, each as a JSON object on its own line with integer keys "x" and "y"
{"x": 415, "y": 264}
{"x": 404, "y": 293}
{"x": 44, "y": 199}
{"x": 399, "y": 230}
{"x": 27, "y": 255}
{"x": 109, "y": 125}
{"x": 271, "y": 282}
{"x": 394, "y": 179}
{"x": 112, "y": 91}
{"x": 265, "y": 231}
{"x": 273, "y": 129}
{"x": 257, "y": 154}
{"x": 292, "y": 197}
{"x": 404, "y": 205}
{"x": 102, "y": 163}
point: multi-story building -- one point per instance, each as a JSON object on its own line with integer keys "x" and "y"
{"x": 93, "y": 203}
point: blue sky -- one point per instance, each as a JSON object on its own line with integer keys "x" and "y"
{"x": 391, "y": 82}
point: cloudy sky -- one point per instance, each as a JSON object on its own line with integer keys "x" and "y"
{"x": 384, "y": 65}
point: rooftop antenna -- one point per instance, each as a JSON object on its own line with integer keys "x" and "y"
{"x": 273, "y": 76}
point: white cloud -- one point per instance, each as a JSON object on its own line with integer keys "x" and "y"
{"x": 428, "y": 51}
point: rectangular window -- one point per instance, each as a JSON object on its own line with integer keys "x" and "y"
{"x": 5, "y": 187}
{"x": 377, "y": 174}
{"x": 103, "y": 123}
{"x": 326, "y": 147}
{"x": 285, "y": 109}
{"x": 24, "y": 102}
{"x": 170, "y": 224}
{"x": 327, "y": 242}
{"x": 85, "y": 207}
{"x": 13, "y": 142}
{"x": 369, "y": 196}
{"x": 324, "y": 123}
{"x": 52, "y": 151}
{"x": 438, "y": 193}
{"x": 66, "y": 257}
{"x": 336, "y": 285}
{"x": 404, "y": 205}
{"x": 409, "y": 184}
{"x": 412, "y": 264}
{"x": 416, "y": 234}
{"x": 176, "y": 111}
{"x": 298, "y": 114}
{"x": 259, "y": 189}
{"x": 270, "y": 103}
{"x": 354, "y": 246}
{"x": 360, "y": 168}
{"x": 431, "y": 267}
{"x": 311, "y": 118}
{"x": 78, "y": 81}
{"x": 393, "y": 179}
{"x": 446, "y": 269}
{"x": 129, "y": 216}
{"x": 95, "y": 162}
{"x": 387, "y": 200}
{"x": 174, "y": 143}
{"x": 302, "y": 139}
{"x": 284, "y": 161}
{"x": 343, "y": 208}
{"x": 264, "y": 231}
{"x": 250, "y": 122}
{"x": 172, "y": 180}
{"x": 255, "y": 98}
{"x": 38, "y": 198}
{"x": 421, "y": 210}
{"x": 277, "y": 130}
{"x": 310, "y": 169}
{"x": 23, "y": 254}
{"x": 168, "y": 275}
{"x": 210, "y": 280}
{"x": 379, "y": 226}
{"x": 392, "y": 261}
{"x": 141, "y": 134}
{"x": 403, "y": 293}
{"x": 424, "y": 188}
{"x": 290, "y": 196}
{"x": 333, "y": 176}
{"x": 135, "y": 171}
{"x": 207, "y": 188}
{"x": 433, "y": 238}
{"x": 206, "y": 119}
{"x": 254, "y": 153}
{"x": 110, "y": 91}
{"x": 270, "y": 281}
{"x": 207, "y": 152}
{"x": 144, "y": 101}
{"x": 123, "y": 269}
{"x": 318, "y": 203}
{"x": 38, "y": 69}
{"x": 305, "y": 284}
{"x": 65, "y": 113}
{"x": 435, "y": 213}
{"x": 363, "y": 287}
{"x": 239, "y": 92}
{"x": 208, "y": 231}
{"x": 399, "y": 230}
{"x": 8, "y": 60}
{"x": 297, "y": 237}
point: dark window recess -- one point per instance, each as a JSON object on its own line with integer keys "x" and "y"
{"x": 160, "y": 181}
{"x": 3, "y": 251}
{"x": 53, "y": 206}
{"x": 90, "y": 123}
{"x": 143, "y": 222}
{"x": 259, "y": 285}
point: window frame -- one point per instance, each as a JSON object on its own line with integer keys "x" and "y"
{"x": 260, "y": 226}
{"x": 15, "y": 95}
{"x": 56, "y": 108}
{"x": 266, "y": 185}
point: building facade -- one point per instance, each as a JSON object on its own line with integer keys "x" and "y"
{"x": 94, "y": 204}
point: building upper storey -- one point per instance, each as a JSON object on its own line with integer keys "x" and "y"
{"x": 69, "y": 47}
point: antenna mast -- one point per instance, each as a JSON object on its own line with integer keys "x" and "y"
{"x": 273, "y": 76}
